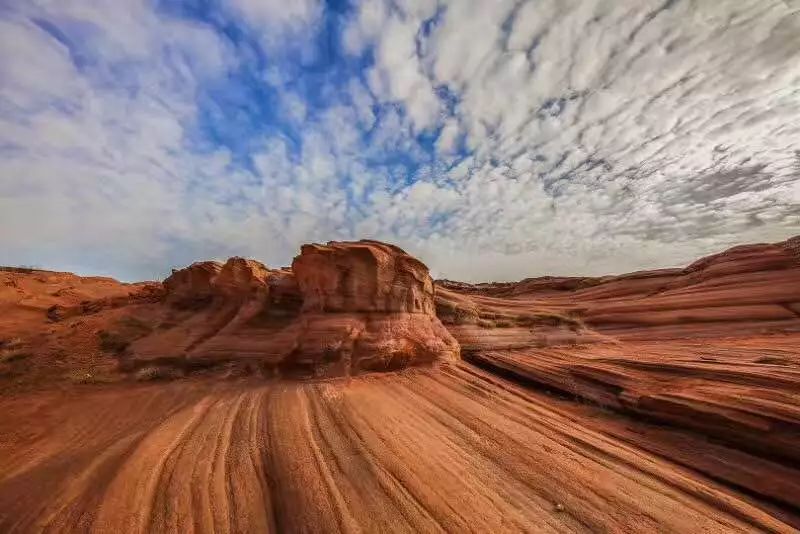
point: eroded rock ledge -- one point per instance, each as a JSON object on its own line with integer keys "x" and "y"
{"x": 341, "y": 309}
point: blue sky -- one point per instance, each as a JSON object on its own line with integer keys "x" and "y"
{"x": 495, "y": 140}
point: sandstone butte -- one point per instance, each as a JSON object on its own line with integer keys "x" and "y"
{"x": 352, "y": 393}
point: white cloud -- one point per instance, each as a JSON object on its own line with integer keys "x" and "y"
{"x": 602, "y": 136}
{"x": 362, "y": 102}
{"x": 369, "y": 23}
{"x": 276, "y": 18}
{"x": 31, "y": 60}
{"x": 94, "y": 161}
{"x": 293, "y": 106}
{"x": 397, "y": 75}
{"x": 448, "y": 137}
{"x": 598, "y": 127}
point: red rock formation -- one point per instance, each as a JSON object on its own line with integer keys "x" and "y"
{"x": 143, "y": 293}
{"x": 366, "y": 276}
{"x": 284, "y": 297}
{"x": 51, "y": 322}
{"x": 241, "y": 279}
{"x": 710, "y": 350}
{"x": 192, "y": 285}
{"x": 746, "y": 290}
{"x": 686, "y": 385}
{"x": 342, "y": 308}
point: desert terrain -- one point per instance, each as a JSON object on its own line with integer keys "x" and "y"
{"x": 350, "y": 392}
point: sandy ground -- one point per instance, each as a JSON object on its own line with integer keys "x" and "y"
{"x": 453, "y": 450}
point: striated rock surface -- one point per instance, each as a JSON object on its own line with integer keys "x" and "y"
{"x": 192, "y": 285}
{"x": 143, "y": 293}
{"x": 452, "y": 451}
{"x": 342, "y": 308}
{"x": 711, "y": 350}
{"x": 366, "y": 276}
{"x": 241, "y": 279}
{"x": 746, "y": 290}
{"x": 51, "y": 324}
{"x": 658, "y": 401}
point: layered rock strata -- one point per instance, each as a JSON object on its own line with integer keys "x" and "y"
{"x": 343, "y": 308}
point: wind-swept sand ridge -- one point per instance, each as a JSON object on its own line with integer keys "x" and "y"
{"x": 421, "y": 451}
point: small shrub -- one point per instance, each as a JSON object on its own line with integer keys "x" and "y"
{"x": 451, "y": 312}
{"x": 134, "y": 323}
{"x": 81, "y": 378}
{"x": 25, "y": 269}
{"x": 10, "y": 343}
{"x": 157, "y": 372}
{"x": 112, "y": 342}
{"x": 84, "y": 377}
{"x": 15, "y": 357}
{"x": 544, "y": 318}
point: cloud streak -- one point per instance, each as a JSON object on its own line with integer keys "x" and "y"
{"x": 496, "y": 140}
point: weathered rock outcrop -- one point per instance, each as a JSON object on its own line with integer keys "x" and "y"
{"x": 343, "y": 308}
{"x": 241, "y": 279}
{"x": 366, "y": 276}
{"x": 142, "y": 293}
{"x": 711, "y": 350}
{"x": 687, "y": 375}
{"x": 193, "y": 285}
{"x": 746, "y": 290}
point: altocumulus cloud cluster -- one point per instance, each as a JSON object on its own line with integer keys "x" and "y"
{"x": 495, "y": 139}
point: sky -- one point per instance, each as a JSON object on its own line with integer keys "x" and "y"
{"x": 493, "y": 139}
